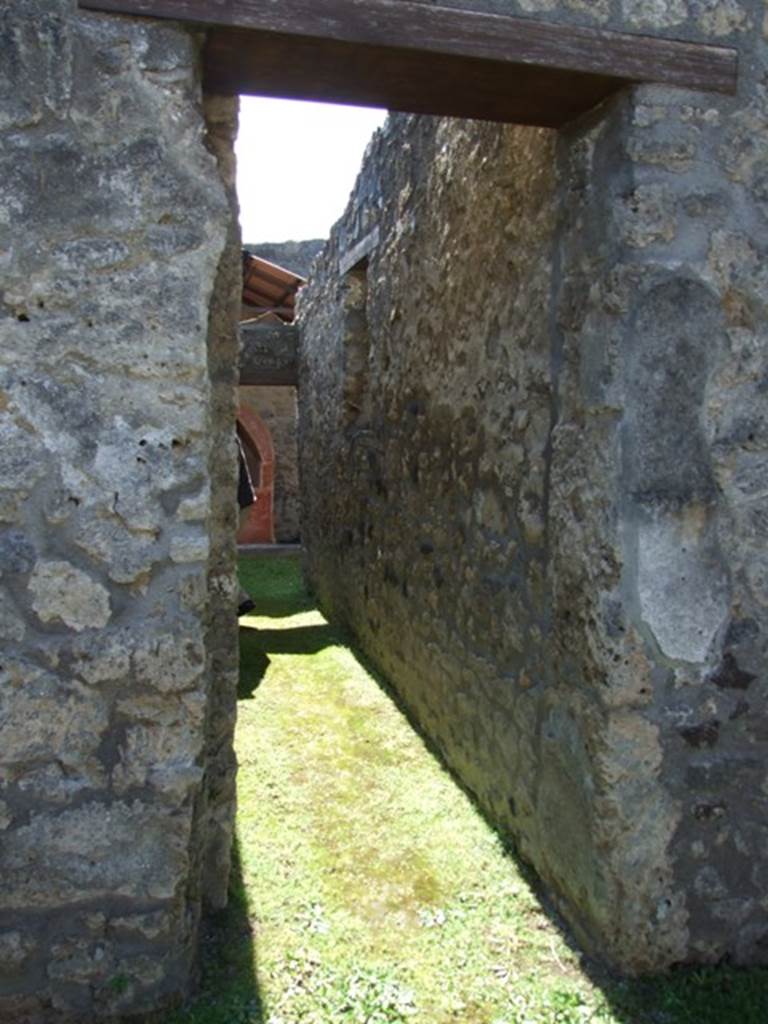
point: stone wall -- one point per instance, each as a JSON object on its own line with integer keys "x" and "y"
{"x": 117, "y": 516}
{"x": 277, "y": 408}
{"x": 678, "y": 19}
{"x": 533, "y": 438}
{"x": 535, "y": 446}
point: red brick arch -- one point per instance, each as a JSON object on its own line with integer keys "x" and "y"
{"x": 259, "y": 526}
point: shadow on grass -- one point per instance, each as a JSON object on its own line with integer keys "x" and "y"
{"x": 685, "y": 995}
{"x": 229, "y": 987}
{"x": 276, "y": 587}
{"x": 712, "y": 995}
{"x": 257, "y": 644}
{"x": 300, "y": 640}
{"x": 254, "y": 663}
{"x": 716, "y": 995}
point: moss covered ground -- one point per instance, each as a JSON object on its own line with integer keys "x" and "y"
{"x": 367, "y": 889}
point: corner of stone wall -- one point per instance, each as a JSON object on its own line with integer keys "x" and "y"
{"x": 657, "y": 435}
{"x": 115, "y": 764}
{"x": 221, "y": 113}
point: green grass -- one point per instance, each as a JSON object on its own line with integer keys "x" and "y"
{"x": 367, "y": 889}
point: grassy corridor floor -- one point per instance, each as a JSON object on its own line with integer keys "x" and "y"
{"x": 369, "y": 890}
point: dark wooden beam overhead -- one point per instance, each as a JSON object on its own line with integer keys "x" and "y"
{"x": 428, "y": 59}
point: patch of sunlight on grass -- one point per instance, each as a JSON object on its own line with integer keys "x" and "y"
{"x": 373, "y": 890}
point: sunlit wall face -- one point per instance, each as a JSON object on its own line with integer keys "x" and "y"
{"x": 297, "y": 163}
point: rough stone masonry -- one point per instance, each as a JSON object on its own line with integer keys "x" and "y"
{"x": 119, "y": 290}
{"x": 540, "y": 465}
{"x": 535, "y": 452}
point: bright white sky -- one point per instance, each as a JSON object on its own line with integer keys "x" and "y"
{"x": 297, "y": 163}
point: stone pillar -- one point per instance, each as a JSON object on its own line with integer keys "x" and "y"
{"x": 115, "y": 776}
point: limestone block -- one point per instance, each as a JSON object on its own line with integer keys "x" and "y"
{"x": 12, "y": 626}
{"x": 196, "y": 508}
{"x": 81, "y": 962}
{"x": 598, "y": 9}
{"x": 722, "y": 17}
{"x": 103, "y": 659}
{"x": 649, "y": 216}
{"x": 151, "y": 926}
{"x": 62, "y": 592}
{"x": 10, "y": 505}
{"x": 15, "y": 948}
{"x": 654, "y": 13}
{"x": 94, "y": 852}
{"x": 164, "y": 756}
{"x": 190, "y": 546}
{"x": 18, "y": 472}
{"x": 683, "y": 585}
{"x": 126, "y": 555}
{"x": 17, "y": 553}
{"x": 672, "y": 155}
{"x": 44, "y": 719}
{"x": 170, "y": 663}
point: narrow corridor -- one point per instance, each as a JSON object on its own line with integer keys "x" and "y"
{"x": 367, "y": 889}
{"x": 379, "y": 893}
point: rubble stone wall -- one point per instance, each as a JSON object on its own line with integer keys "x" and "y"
{"x": 535, "y": 447}
{"x": 533, "y": 438}
{"x": 117, "y": 512}
{"x": 708, "y": 20}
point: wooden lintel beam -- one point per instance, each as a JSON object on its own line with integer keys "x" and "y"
{"x": 413, "y": 56}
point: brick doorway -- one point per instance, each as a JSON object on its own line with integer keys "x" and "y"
{"x": 259, "y": 526}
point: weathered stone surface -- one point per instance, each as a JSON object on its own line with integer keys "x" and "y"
{"x": 163, "y": 747}
{"x": 545, "y": 437}
{"x": 14, "y": 950}
{"x": 654, "y": 13}
{"x": 190, "y": 546}
{"x": 47, "y": 723}
{"x": 5, "y": 816}
{"x": 24, "y": 1009}
{"x": 150, "y": 926}
{"x": 115, "y": 775}
{"x": 61, "y": 592}
{"x": 269, "y": 354}
{"x": 533, "y": 452}
{"x": 11, "y": 623}
{"x": 98, "y": 850}
{"x": 220, "y": 641}
{"x": 169, "y": 663}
